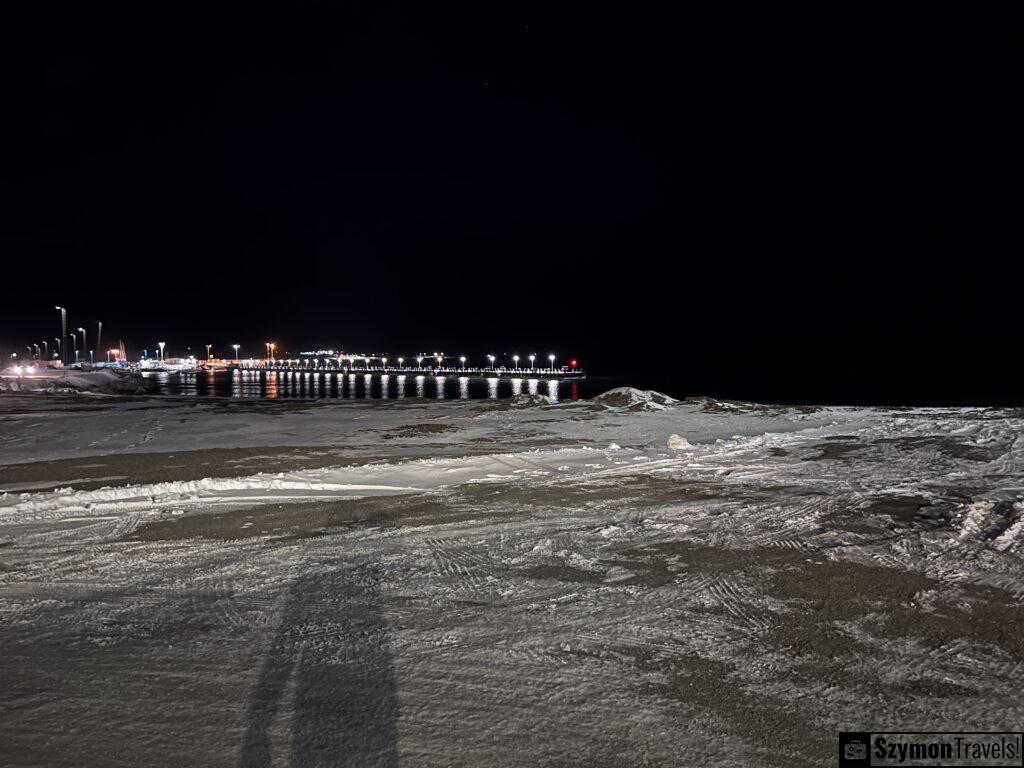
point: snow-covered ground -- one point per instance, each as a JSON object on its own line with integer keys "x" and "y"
{"x": 100, "y": 381}
{"x": 632, "y": 581}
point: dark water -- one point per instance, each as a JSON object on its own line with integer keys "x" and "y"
{"x": 296, "y": 384}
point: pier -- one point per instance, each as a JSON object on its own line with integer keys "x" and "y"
{"x": 563, "y": 372}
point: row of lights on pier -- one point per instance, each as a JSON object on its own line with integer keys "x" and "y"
{"x": 419, "y": 360}
{"x": 271, "y": 347}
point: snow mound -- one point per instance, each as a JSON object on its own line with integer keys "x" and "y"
{"x": 677, "y": 443}
{"x": 628, "y": 398}
{"x": 999, "y": 524}
{"x": 105, "y": 381}
{"x": 528, "y": 401}
{"x": 719, "y": 405}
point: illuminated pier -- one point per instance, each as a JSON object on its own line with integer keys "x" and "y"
{"x": 437, "y": 364}
{"x": 562, "y": 372}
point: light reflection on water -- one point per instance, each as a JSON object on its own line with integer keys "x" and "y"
{"x": 256, "y": 384}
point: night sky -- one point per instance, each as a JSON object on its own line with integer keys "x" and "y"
{"x": 789, "y": 208}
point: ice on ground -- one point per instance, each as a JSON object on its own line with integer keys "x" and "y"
{"x": 348, "y": 482}
{"x": 734, "y": 583}
{"x": 57, "y": 428}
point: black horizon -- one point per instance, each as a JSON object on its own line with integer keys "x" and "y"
{"x": 774, "y": 206}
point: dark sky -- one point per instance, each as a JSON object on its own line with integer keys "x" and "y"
{"x": 801, "y": 207}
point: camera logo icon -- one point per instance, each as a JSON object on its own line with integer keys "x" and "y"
{"x": 853, "y": 749}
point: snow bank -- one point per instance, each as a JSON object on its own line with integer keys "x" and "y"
{"x": 737, "y": 407}
{"x": 525, "y": 401}
{"x": 103, "y": 381}
{"x": 627, "y": 398}
{"x": 253, "y": 489}
{"x": 326, "y": 483}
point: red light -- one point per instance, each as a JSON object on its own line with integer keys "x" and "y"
{"x": 572, "y": 363}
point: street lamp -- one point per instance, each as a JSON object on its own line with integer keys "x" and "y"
{"x": 85, "y": 344}
{"x": 384, "y": 363}
{"x": 236, "y": 347}
{"x": 59, "y": 349}
{"x": 401, "y": 362}
{"x": 208, "y": 348}
{"x": 515, "y": 360}
{"x": 551, "y": 359}
{"x": 462, "y": 359}
{"x": 419, "y": 363}
{"x": 161, "y": 345}
{"x": 532, "y": 357}
{"x": 63, "y": 328}
{"x": 491, "y": 358}
{"x": 35, "y": 353}
{"x": 439, "y": 358}
{"x": 74, "y": 343}
{"x": 46, "y": 350}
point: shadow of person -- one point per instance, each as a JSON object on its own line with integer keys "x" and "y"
{"x": 333, "y": 643}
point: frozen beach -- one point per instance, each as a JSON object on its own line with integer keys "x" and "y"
{"x": 627, "y": 581}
